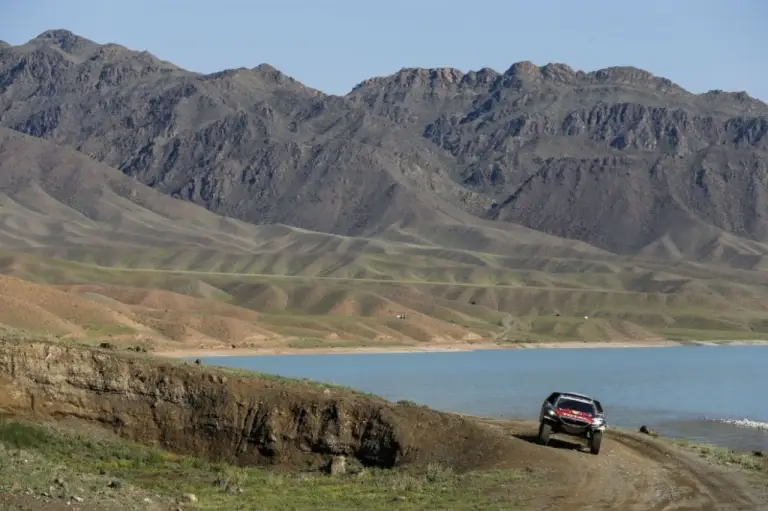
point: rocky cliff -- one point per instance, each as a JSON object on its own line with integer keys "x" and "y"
{"x": 222, "y": 415}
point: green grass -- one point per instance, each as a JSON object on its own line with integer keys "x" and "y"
{"x": 34, "y": 457}
{"x": 12, "y": 333}
{"x": 754, "y": 461}
{"x": 679, "y": 334}
{"x": 317, "y": 343}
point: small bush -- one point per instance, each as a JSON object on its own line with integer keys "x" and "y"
{"x": 20, "y": 435}
{"x": 438, "y": 474}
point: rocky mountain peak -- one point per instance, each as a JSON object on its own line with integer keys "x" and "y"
{"x": 413, "y": 77}
{"x": 559, "y": 72}
{"x": 563, "y": 74}
{"x": 273, "y": 77}
{"x": 632, "y": 76}
{"x": 273, "y": 74}
{"x": 66, "y": 41}
{"x": 483, "y": 77}
{"x": 524, "y": 69}
{"x": 752, "y": 106}
{"x": 58, "y": 35}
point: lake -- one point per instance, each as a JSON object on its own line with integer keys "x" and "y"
{"x": 682, "y": 392}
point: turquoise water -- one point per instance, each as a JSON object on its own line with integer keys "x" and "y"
{"x": 682, "y": 392}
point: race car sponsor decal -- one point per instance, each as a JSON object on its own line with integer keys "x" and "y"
{"x": 573, "y": 414}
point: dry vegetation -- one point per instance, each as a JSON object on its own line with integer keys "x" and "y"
{"x": 755, "y": 461}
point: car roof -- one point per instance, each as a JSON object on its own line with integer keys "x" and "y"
{"x": 576, "y": 394}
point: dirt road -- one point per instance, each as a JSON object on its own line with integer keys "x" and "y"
{"x": 632, "y": 472}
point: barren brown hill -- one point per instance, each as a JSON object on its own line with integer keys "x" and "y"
{"x": 619, "y": 158}
{"x": 42, "y": 310}
{"x": 410, "y": 301}
{"x": 124, "y": 315}
{"x": 270, "y": 317}
{"x": 52, "y": 196}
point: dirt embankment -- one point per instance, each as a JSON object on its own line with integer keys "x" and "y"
{"x": 202, "y": 411}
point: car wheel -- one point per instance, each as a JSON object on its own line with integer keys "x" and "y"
{"x": 595, "y": 441}
{"x": 544, "y": 431}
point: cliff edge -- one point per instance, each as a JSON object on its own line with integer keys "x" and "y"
{"x": 241, "y": 418}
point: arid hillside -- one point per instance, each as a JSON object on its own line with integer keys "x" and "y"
{"x": 55, "y": 198}
{"x": 168, "y": 272}
{"x": 379, "y": 305}
{"x": 171, "y": 273}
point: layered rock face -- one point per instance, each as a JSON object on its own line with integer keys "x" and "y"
{"x": 245, "y": 420}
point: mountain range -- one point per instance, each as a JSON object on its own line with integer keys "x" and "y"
{"x": 539, "y": 176}
{"x": 617, "y": 158}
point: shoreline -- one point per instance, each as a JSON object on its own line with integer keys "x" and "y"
{"x": 436, "y": 348}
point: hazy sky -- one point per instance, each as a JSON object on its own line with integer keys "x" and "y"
{"x": 334, "y": 44}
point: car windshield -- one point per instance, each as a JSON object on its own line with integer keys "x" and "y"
{"x": 572, "y": 404}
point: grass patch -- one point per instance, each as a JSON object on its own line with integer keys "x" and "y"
{"x": 54, "y": 463}
{"x": 318, "y": 343}
{"x": 21, "y": 334}
{"x": 755, "y": 461}
{"x": 102, "y": 329}
{"x": 301, "y": 343}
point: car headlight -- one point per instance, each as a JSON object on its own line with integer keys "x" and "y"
{"x": 550, "y": 411}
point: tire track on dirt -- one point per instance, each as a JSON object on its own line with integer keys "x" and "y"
{"x": 700, "y": 485}
{"x": 632, "y": 472}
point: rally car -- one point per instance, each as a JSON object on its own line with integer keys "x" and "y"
{"x": 572, "y": 414}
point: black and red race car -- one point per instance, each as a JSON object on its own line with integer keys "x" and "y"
{"x": 572, "y": 414}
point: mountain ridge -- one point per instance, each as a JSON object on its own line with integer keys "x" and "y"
{"x": 538, "y": 146}
{"x": 54, "y": 199}
{"x": 554, "y": 70}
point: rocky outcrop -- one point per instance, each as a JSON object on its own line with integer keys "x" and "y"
{"x": 221, "y": 415}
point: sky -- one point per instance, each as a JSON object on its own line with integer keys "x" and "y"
{"x": 332, "y": 45}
